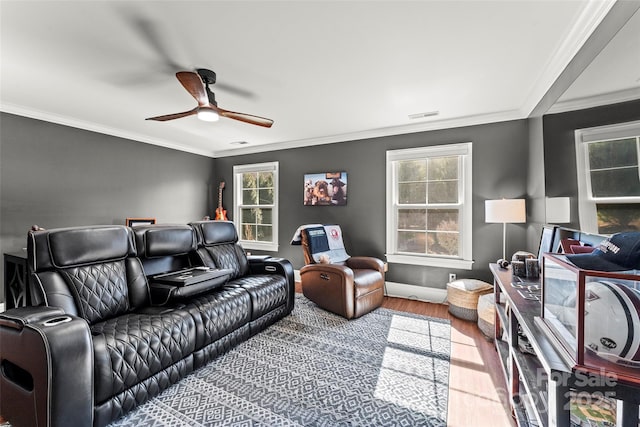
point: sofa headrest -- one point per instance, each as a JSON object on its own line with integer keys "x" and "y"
{"x": 164, "y": 240}
{"x": 67, "y": 247}
{"x": 215, "y": 232}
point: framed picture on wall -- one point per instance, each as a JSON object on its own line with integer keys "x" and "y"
{"x": 132, "y": 222}
{"x": 325, "y": 189}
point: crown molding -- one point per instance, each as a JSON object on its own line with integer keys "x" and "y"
{"x": 94, "y": 127}
{"x": 595, "y": 101}
{"x": 431, "y": 125}
{"x": 592, "y": 15}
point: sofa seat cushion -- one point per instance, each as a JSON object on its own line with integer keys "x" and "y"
{"x": 219, "y": 313}
{"x": 267, "y": 292}
{"x": 133, "y": 347}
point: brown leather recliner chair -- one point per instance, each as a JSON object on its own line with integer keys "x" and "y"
{"x": 347, "y": 286}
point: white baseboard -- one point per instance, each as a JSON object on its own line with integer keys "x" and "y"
{"x": 1, "y": 307}
{"x": 420, "y": 293}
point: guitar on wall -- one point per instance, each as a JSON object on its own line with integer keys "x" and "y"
{"x": 221, "y": 214}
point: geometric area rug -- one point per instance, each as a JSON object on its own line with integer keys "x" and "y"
{"x": 314, "y": 368}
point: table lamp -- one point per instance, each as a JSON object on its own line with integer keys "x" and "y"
{"x": 557, "y": 210}
{"x": 505, "y": 211}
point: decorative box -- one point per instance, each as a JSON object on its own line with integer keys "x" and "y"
{"x": 592, "y": 317}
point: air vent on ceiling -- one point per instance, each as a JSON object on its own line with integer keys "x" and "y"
{"x": 423, "y": 115}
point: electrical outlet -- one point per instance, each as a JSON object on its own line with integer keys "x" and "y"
{"x": 452, "y": 277}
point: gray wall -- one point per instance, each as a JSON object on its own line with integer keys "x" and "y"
{"x": 559, "y": 146}
{"x": 536, "y": 215}
{"x": 58, "y": 176}
{"x": 500, "y": 152}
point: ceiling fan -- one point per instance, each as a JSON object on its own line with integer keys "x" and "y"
{"x": 197, "y": 84}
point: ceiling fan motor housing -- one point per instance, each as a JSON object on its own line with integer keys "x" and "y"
{"x": 208, "y": 77}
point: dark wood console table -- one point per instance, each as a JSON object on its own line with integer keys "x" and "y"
{"x": 16, "y": 280}
{"x": 539, "y": 385}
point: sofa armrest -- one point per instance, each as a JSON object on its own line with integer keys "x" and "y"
{"x": 44, "y": 356}
{"x": 270, "y": 265}
{"x": 365, "y": 262}
{"x": 264, "y": 264}
{"x": 17, "y": 318}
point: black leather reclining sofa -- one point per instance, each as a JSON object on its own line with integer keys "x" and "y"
{"x": 108, "y": 333}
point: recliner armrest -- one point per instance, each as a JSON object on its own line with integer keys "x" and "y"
{"x": 332, "y": 268}
{"x": 272, "y": 265}
{"x": 365, "y": 262}
{"x": 45, "y": 354}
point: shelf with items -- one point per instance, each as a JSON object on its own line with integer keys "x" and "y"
{"x": 529, "y": 414}
{"x": 534, "y": 382}
{"x": 526, "y": 374}
{"x": 541, "y": 384}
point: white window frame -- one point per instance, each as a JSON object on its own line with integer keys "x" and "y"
{"x": 238, "y": 170}
{"x": 587, "y": 210}
{"x": 465, "y": 261}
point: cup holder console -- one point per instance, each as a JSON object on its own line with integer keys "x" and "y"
{"x": 57, "y": 321}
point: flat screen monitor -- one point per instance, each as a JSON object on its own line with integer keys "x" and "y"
{"x": 546, "y": 240}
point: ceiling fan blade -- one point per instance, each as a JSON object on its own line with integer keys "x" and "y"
{"x": 235, "y": 90}
{"x": 152, "y": 35}
{"x": 247, "y": 118}
{"x": 174, "y": 116}
{"x": 194, "y": 85}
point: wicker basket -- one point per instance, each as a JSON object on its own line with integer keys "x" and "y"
{"x": 486, "y": 315}
{"x": 463, "y": 297}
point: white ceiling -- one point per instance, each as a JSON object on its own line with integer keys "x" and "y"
{"x": 324, "y": 71}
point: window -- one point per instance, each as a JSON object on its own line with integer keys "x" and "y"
{"x": 609, "y": 178}
{"x": 255, "y": 201}
{"x": 429, "y": 206}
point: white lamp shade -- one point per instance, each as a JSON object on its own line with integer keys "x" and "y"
{"x": 505, "y": 211}
{"x": 558, "y": 210}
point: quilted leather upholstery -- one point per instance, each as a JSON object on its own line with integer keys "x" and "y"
{"x": 217, "y": 246}
{"x": 100, "y": 289}
{"x": 219, "y": 313}
{"x": 221, "y": 346}
{"x": 267, "y": 292}
{"x": 228, "y": 256}
{"x": 268, "y": 319}
{"x": 131, "y": 348}
{"x": 126, "y": 401}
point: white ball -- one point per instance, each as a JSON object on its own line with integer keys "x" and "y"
{"x": 612, "y": 321}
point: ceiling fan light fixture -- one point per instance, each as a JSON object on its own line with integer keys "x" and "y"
{"x": 208, "y": 114}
